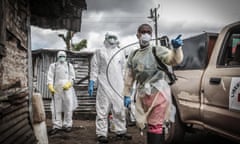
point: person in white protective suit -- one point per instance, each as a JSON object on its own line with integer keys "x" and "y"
{"x": 60, "y": 81}
{"x": 107, "y": 99}
{"x": 153, "y": 96}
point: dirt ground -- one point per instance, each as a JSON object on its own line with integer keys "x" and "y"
{"x": 83, "y": 132}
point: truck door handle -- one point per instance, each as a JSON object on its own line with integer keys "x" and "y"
{"x": 215, "y": 80}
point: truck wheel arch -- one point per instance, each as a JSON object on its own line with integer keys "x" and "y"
{"x": 176, "y": 130}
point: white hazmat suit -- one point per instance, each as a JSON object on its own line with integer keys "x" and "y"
{"x": 106, "y": 98}
{"x": 61, "y": 76}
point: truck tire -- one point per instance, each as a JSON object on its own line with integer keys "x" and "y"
{"x": 176, "y": 131}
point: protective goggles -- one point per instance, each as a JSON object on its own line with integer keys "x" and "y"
{"x": 112, "y": 37}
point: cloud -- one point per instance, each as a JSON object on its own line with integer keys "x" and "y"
{"x": 46, "y": 38}
{"x": 129, "y": 6}
{"x": 188, "y": 17}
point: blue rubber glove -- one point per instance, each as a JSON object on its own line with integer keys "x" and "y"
{"x": 177, "y": 42}
{"x": 127, "y": 101}
{"x": 90, "y": 87}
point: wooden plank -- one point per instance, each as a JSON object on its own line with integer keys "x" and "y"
{"x": 31, "y": 140}
{"x": 19, "y": 134}
{"x": 27, "y": 135}
{"x": 5, "y": 126}
{"x": 2, "y": 30}
{"x": 11, "y": 127}
{"x": 14, "y": 114}
{"x": 14, "y": 108}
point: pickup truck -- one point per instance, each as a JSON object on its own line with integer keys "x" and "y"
{"x": 207, "y": 92}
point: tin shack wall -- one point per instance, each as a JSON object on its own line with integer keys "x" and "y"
{"x": 15, "y": 124}
{"x": 81, "y": 63}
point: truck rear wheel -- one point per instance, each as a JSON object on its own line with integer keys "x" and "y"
{"x": 175, "y": 132}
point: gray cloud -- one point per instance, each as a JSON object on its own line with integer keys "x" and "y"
{"x": 129, "y": 6}
{"x": 46, "y": 38}
{"x": 188, "y": 17}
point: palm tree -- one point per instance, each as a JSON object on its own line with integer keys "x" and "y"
{"x": 68, "y": 39}
{"x": 82, "y": 44}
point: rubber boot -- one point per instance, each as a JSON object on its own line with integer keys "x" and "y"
{"x": 153, "y": 138}
{"x": 102, "y": 140}
{"x": 124, "y": 136}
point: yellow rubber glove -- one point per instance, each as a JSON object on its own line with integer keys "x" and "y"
{"x": 67, "y": 86}
{"x": 50, "y": 87}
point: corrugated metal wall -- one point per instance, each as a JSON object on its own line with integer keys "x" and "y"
{"x": 81, "y": 61}
{"x": 15, "y": 123}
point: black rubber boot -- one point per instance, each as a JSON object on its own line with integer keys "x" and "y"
{"x": 53, "y": 131}
{"x": 102, "y": 139}
{"x": 153, "y": 138}
{"x": 124, "y": 136}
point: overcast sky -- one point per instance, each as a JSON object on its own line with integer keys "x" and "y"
{"x": 122, "y": 17}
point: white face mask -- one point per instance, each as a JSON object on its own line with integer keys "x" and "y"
{"x": 62, "y": 59}
{"x": 145, "y": 39}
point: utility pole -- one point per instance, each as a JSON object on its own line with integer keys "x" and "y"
{"x": 154, "y": 16}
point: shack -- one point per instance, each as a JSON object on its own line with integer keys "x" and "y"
{"x": 16, "y": 17}
{"x": 42, "y": 58}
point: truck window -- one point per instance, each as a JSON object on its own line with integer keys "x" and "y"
{"x": 230, "y": 55}
{"x": 197, "y": 51}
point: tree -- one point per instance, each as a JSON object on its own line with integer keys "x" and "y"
{"x": 82, "y": 44}
{"x": 68, "y": 39}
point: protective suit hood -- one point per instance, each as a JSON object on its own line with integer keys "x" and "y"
{"x": 61, "y": 53}
{"x": 111, "y": 41}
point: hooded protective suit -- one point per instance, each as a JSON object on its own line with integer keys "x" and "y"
{"x": 106, "y": 98}
{"x": 61, "y": 76}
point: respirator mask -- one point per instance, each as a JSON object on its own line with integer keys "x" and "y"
{"x": 145, "y": 39}
{"x": 61, "y": 59}
{"x": 61, "y": 55}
